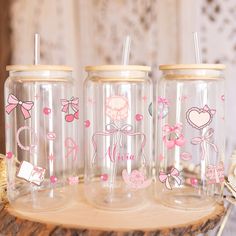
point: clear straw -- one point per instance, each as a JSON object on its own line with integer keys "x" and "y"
{"x": 126, "y": 50}
{"x": 125, "y": 61}
{"x": 198, "y": 56}
{"x": 36, "y": 49}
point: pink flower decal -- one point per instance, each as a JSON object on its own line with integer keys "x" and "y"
{"x": 166, "y": 177}
{"x": 172, "y": 136}
{"x": 136, "y": 180}
{"x": 117, "y": 107}
{"x": 25, "y": 107}
{"x": 215, "y": 174}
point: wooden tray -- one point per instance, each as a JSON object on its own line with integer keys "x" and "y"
{"x": 79, "y": 218}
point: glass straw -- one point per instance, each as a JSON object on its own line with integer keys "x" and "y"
{"x": 198, "y": 56}
{"x": 36, "y": 49}
{"x": 126, "y": 50}
{"x": 125, "y": 61}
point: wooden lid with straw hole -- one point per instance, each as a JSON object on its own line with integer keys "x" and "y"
{"x": 38, "y": 68}
{"x": 118, "y": 68}
{"x": 192, "y": 67}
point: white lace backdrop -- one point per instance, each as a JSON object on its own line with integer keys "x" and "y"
{"x": 79, "y": 32}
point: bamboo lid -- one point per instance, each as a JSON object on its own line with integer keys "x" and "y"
{"x": 192, "y": 66}
{"x": 38, "y": 68}
{"x": 118, "y": 68}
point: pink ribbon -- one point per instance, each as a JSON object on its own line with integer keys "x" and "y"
{"x": 39, "y": 172}
{"x": 215, "y": 174}
{"x": 205, "y": 139}
{"x": 165, "y": 177}
{"x": 13, "y": 102}
{"x": 73, "y": 103}
{"x": 207, "y": 109}
{"x": 169, "y": 129}
{"x": 112, "y": 129}
{"x": 163, "y": 101}
{"x": 72, "y": 148}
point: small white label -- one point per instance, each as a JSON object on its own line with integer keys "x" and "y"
{"x": 33, "y": 174}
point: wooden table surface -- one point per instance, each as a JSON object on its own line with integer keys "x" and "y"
{"x": 79, "y": 218}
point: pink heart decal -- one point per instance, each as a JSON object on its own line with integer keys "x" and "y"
{"x": 200, "y": 117}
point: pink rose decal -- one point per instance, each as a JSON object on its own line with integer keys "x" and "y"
{"x": 136, "y": 179}
{"x": 117, "y": 107}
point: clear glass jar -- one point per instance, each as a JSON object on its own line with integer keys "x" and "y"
{"x": 190, "y": 135}
{"x": 118, "y": 136}
{"x": 41, "y": 136}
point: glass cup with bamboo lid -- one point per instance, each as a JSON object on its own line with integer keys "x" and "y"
{"x": 118, "y": 136}
{"x": 41, "y": 116}
{"x": 190, "y": 135}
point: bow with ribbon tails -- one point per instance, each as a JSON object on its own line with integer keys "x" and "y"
{"x": 203, "y": 140}
{"x": 163, "y": 101}
{"x": 25, "y": 107}
{"x": 73, "y": 103}
{"x": 120, "y": 132}
{"x": 177, "y": 129}
{"x": 210, "y": 111}
{"x": 72, "y": 148}
{"x": 166, "y": 177}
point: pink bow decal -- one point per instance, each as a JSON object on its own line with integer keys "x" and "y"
{"x": 167, "y": 129}
{"x": 205, "y": 139}
{"x": 120, "y": 132}
{"x": 163, "y": 101}
{"x": 73, "y": 103}
{"x": 215, "y": 174}
{"x": 13, "y": 102}
{"x": 173, "y": 136}
{"x": 207, "y": 109}
{"x": 72, "y": 148}
{"x": 165, "y": 177}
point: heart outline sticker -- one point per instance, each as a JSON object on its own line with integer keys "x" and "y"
{"x": 199, "y": 118}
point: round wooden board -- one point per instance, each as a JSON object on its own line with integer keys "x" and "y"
{"x": 79, "y": 218}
